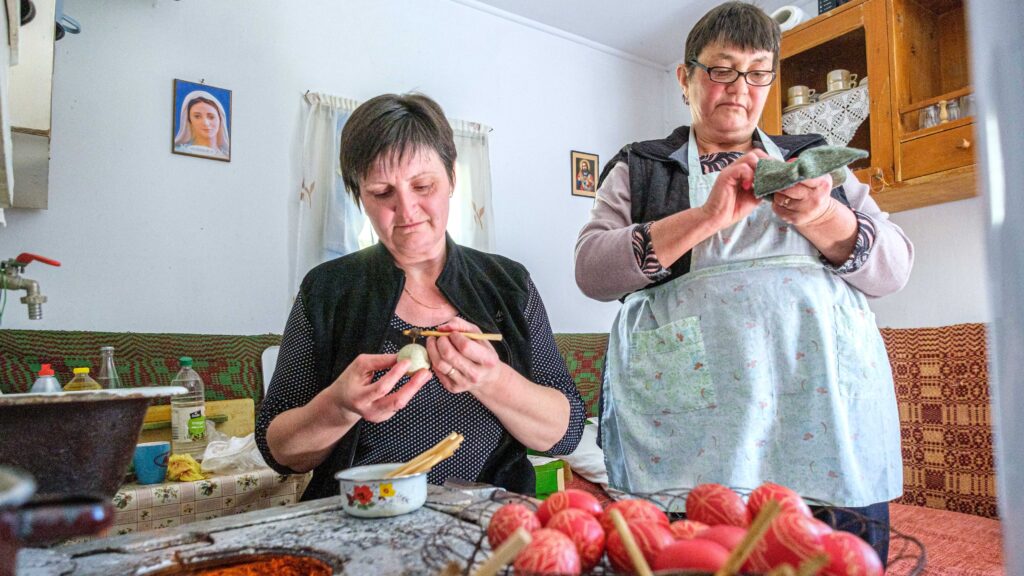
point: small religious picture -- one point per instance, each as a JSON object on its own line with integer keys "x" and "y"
{"x": 201, "y": 121}
{"x": 584, "y": 174}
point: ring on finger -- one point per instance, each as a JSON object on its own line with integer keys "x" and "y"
{"x": 449, "y": 372}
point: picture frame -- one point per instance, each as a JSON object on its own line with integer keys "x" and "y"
{"x": 201, "y": 121}
{"x": 584, "y": 169}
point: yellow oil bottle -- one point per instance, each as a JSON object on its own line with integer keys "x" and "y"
{"x": 82, "y": 381}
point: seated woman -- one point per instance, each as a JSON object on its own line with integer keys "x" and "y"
{"x": 339, "y": 397}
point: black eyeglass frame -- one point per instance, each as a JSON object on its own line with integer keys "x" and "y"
{"x": 708, "y": 69}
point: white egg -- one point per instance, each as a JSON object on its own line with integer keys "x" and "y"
{"x": 416, "y": 355}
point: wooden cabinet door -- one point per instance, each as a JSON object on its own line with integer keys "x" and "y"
{"x": 853, "y": 37}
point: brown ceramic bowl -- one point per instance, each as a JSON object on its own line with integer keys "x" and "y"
{"x": 75, "y": 442}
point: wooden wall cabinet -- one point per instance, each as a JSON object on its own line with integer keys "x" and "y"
{"x": 914, "y": 54}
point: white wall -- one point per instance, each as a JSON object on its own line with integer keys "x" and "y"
{"x": 153, "y": 241}
{"x": 949, "y": 284}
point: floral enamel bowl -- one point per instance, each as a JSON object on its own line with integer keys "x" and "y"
{"x": 366, "y": 493}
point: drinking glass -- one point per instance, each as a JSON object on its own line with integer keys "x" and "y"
{"x": 928, "y": 117}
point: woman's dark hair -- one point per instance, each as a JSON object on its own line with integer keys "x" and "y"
{"x": 388, "y": 127}
{"x": 736, "y": 24}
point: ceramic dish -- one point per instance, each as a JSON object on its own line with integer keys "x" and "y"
{"x": 831, "y": 93}
{"x": 797, "y": 107}
{"x": 366, "y": 493}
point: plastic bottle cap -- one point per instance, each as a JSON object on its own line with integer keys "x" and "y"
{"x": 45, "y": 370}
{"x": 82, "y": 370}
{"x": 185, "y": 361}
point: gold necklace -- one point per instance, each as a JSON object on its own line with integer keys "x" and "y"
{"x": 420, "y": 302}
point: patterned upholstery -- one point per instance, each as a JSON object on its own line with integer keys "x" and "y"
{"x": 941, "y": 379}
{"x": 229, "y": 365}
{"x": 584, "y": 356}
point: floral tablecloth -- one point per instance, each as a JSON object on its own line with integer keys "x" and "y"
{"x": 175, "y": 503}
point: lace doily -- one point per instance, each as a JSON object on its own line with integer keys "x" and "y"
{"x": 836, "y": 118}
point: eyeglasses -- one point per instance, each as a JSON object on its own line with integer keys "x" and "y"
{"x": 726, "y": 75}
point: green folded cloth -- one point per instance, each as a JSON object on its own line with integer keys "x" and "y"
{"x": 773, "y": 175}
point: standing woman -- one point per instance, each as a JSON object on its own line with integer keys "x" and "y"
{"x": 745, "y": 350}
{"x": 340, "y": 397}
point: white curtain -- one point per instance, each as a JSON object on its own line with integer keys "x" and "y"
{"x": 470, "y": 217}
{"x": 329, "y": 222}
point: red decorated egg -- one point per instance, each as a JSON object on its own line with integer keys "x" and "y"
{"x": 687, "y": 529}
{"x": 791, "y": 538}
{"x": 549, "y": 552}
{"x": 507, "y": 519}
{"x": 728, "y": 536}
{"x": 585, "y": 532}
{"x": 787, "y": 498}
{"x": 633, "y": 510}
{"x": 697, "y": 554}
{"x": 715, "y": 504}
{"x": 850, "y": 556}
{"x": 565, "y": 499}
{"x": 651, "y": 538}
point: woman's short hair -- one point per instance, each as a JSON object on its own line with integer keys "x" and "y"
{"x": 387, "y": 128}
{"x": 738, "y": 24}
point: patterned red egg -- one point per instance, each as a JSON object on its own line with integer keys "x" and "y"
{"x": 651, "y": 538}
{"x": 728, "y": 536}
{"x": 507, "y": 519}
{"x": 787, "y": 498}
{"x": 565, "y": 499}
{"x": 791, "y": 538}
{"x": 633, "y": 510}
{"x": 697, "y": 554}
{"x": 549, "y": 552}
{"x": 850, "y": 556}
{"x": 687, "y": 529}
{"x": 715, "y": 504}
{"x": 585, "y": 532}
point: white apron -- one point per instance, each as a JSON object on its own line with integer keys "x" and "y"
{"x": 758, "y": 365}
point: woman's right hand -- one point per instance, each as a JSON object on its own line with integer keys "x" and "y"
{"x": 358, "y": 396}
{"x": 732, "y": 196}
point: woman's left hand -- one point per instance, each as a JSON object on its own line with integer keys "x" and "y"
{"x": 804, "y": 202}
{"x": 461, "y": 364}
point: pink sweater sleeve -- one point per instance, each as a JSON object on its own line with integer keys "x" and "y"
{"x": 606, "y": 266}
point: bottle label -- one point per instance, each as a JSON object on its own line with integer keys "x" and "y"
{"x": 189, "y": 424}
{"x": 196, "y": 426}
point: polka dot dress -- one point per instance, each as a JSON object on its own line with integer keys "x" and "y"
{"x": 433, "y": 412}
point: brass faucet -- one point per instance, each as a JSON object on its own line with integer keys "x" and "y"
{"x": 11, "y": 279}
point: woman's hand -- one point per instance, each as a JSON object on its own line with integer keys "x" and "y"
{"x": 461, "y": 364}
{"x": 358, "y": 396}
{"x": 805, "y": 202}
{"x": 732, "y": 196}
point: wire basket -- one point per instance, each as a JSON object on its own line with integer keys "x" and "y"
{"x": 465, "y": 543}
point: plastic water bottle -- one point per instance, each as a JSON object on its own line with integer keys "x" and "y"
{"x": 188, "y": 413}
{"x": 46, "y": 382}
{"x": 81, "y": 381}
{"x": 108, "y": 377}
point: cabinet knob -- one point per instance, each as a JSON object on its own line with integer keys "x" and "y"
{"x": 964, "y": 144}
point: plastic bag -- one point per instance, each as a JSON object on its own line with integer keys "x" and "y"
{"x": 228, "y": 455}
